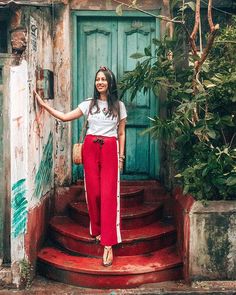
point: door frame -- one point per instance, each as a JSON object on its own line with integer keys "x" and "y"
{"x": 77, "y": 170}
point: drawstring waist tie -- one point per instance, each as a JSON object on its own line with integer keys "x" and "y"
{"x": 99, "y": 140}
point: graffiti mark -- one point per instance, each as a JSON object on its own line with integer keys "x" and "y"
{"x": 19, "y": 121}
{"x": 19, "y": 207}
{"x": 44, "y": 173}
{"x": 33, "y": 33}
{"x": 19, "y": 153}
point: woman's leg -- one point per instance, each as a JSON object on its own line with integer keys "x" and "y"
{"x": 91, "y": 160}
{"x": 110, "y": 193}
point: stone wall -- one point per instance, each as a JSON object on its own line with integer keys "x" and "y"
{"x": 212, "y": 244}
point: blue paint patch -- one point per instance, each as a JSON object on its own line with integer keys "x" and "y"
{"x": 19, "y": 206}
{"x": 44, "y": 174}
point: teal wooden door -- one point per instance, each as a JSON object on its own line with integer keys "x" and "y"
{"x": 110, "y": 42}
{"x": 2, "y": 176}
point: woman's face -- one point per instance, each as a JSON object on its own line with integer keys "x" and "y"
{"x": 101, "y": 83}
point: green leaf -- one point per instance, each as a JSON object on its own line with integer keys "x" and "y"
{"x": 200, "y": 88}
{"x": 147, "y": 51}
{"x": 192, "y": 5}
{"x": 119, "y": 10}
{"x": 205, "y": 172}
{"x": 183, "y": 8}
{"x": 186, "y": 189}
{"x": 231, "y": 181}
{"x": 194, "y": 57}
{"x": 208, "y": 84}
{"x": 211, "y": 133}
{"x": 148, "y": 130}
{"x": 151, "y": 119}
{"x": 227, "y": 120}
{"x": 205, "y": 68}
{"x": 190, "y": 90}
{"x": 233, "y": 99}
{"x": 178, "y": 175}
{"x": 209, "y": 116}
{"x": 137, "y": 55}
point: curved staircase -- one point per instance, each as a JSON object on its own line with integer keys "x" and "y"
{"x": 147, "y": 253}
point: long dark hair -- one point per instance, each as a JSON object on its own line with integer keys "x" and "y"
{"x": 112, "y": 93}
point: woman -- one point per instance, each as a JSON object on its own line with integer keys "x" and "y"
{"x": 103, "y": 157}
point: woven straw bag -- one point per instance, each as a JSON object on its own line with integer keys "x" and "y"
{"x": 77, "y": 150}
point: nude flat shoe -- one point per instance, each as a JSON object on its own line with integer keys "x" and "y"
{"x": 107, "y": 256}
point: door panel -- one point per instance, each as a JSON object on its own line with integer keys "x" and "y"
{"x": 110, "y": 42}
{"x": 134, "y": 36}
{"x": 98, "y": 47}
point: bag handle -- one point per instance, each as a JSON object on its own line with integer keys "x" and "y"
{"x": 81, "y": 138}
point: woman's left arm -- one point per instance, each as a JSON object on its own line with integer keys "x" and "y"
{"x": 121, "y": 138}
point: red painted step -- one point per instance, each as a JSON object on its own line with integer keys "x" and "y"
{"x": 134, "y": 217}
{"x": 76, "y": 238}
{"x": 125, "y": 272}
{"x": 130, "y": 196}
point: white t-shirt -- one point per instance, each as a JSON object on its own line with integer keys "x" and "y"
{"x": 101, "y": 123}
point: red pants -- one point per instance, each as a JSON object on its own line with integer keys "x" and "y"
{"x": 102, "y": 187}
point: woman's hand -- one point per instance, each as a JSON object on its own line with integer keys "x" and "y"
{"x": 121, "y": 165}
{"x": 39, "y": 99}
{"x": 75, "y": 114}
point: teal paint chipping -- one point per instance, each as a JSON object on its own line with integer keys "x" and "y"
{"x": 44, "y": 174}
{"x": 19, "y": 208}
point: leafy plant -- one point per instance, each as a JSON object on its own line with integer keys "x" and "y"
{"x": 26, "y": 271}
{"x": 201, "y": 109}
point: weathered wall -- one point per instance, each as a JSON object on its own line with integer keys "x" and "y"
{"x": 212, "y": 244}
{"x": 182, "y": 207}
{"x": 31, "y": 137}
{"x": 111, "y": 5}
{"x": 63, "y": 91}
{"x": 5, "y": 61}
{"x": 206, "y": 238}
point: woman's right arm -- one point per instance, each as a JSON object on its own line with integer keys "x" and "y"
{"x": 75, "y": 114}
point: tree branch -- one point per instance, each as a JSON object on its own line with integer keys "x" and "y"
{"x": 207, "y": 49}
{"x": 195, "y": 28}
{"x": 222, "y": 132}
{"x": 209, "y": 16}
{"x": 232, "y": 140}
{"x": 164, "y": 18}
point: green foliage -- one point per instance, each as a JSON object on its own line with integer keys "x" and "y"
{"x": 26, "y": 272}
{"x": 200, "y": 125}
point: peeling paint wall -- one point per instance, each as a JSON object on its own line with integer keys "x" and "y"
{"x": 31, "y": 140}
{"x": 19, "y": 146}
{"x": 111, "y": 5}
{"x": 5, "y": 189}
{"x": 182, "y": 207}
{"x": 19, "y": 159}
{"x": 63, "y": 93}
{"x": 212, "y": 241}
